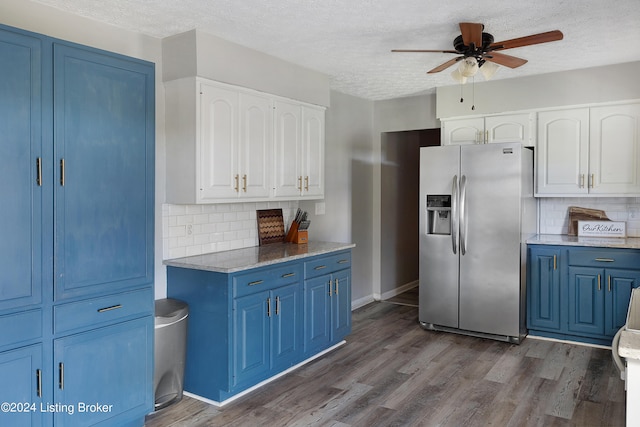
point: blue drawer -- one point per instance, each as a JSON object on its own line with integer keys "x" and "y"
{"x": 99, "y": 311}
{"x": 20, "y": 327}
{"x": 321, "y": 265}
{"x": 266, "y": 278}
{"x": 605, "y": 258}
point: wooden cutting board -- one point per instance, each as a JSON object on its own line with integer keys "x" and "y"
{"x": 270, "y": 226}
{"x": 583, "y": 214}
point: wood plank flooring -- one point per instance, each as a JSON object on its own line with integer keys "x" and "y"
{"x": 391, "y": 372}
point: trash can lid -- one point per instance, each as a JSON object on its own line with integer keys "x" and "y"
{"x": 170, "y": 310}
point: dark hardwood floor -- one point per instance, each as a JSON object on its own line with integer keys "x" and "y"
{"x": 391, "y": 372}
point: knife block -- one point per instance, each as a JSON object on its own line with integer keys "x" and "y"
{"x": 301, "y": 236}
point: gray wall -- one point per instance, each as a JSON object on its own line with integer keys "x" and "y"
{"x": 348, "y": 187}
{"x": 592, "y": 85}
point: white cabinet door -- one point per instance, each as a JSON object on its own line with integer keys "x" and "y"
{"x": 614, "y": 162}
{"x": 563, "y": 151}
{"x": 510, "y": 128}
{"x": 218, "y": 148}
{"x": 313, "y": 151}
{"x": 288, "y": 149}
{"x": 256, "y": 135}
{"x": 463, "y": 131}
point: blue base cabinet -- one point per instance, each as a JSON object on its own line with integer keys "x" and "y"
{"x": 77, "y": 227}
{"x": 249, "y": 326}
{"x": 580, "y": 293}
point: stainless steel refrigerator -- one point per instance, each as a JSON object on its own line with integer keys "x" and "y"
{"x": 476, "y": 211}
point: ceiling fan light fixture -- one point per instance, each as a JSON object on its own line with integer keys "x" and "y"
{"x": 488, "y": 70}
{"x": 458, "y": 77}
{"x": 468, "y": 67}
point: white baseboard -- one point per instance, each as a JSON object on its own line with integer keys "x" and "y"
{"x": 397, "y": 291}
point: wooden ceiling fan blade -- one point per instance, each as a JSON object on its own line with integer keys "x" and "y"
{"x": 505, "y": 60}
{"x": 549, "y": 36}
{"x": 424, "y": 50}
{"x": 471, "y": 33}
{"x": 444, "y": 66}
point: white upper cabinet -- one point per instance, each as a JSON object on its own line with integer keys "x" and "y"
{"x": 589, "y": 151}
{"x": 563, "y": 151}
{"x": 225, "y": 144}
{"x": 614, "y": 150}
{"x": 490, "y": 129}
{"x": 299, "y": 151}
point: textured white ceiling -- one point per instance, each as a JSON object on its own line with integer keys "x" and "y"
{"x": 350, "y": 40}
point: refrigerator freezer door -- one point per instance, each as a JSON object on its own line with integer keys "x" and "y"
{"x": 490, "y": 266}
{"x": 438, "y": 260}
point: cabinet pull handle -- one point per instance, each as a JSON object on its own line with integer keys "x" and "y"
{"x": 486, "y": 136}
{"x": 300, "y": 183}
{"x": 555, "y": 262}
{"x": 605, "y": 259}
{"x": 244, "y": 183}
{"x": 582, "y": 180}
{"x": 343, "y": 261}
{"x": 257, "y": 282}
{"x": 337, "y": 284}
{"x": 330, "y": 287}
{"x": 237, "y": 186}
{"x": 113, "y": 307}
{"x": 306, "y": 183}
{"x": 39, "y": 172}
{"x": 320, "y": 267}
{"x": 592, "y": 180}
{"x": 277, "y": 305}
{"x": 284, "y": 276}
{"x": 609, "y": 280}
{"x": 269, "y": 307}
{"x": 38, "y": 382}
{"x": 62, "y": 172}
{"x": 61, "y": 375}
{"x": 599, "y": 283}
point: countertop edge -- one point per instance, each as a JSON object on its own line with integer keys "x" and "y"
{"x": 190, "y": 263}
{"x": 596, "y": 242}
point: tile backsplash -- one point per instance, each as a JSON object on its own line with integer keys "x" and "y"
{"x": 197, "y": 229}
{"x": 554, "y": 212}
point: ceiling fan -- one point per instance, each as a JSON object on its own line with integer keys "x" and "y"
{"x": 477, "y": 47}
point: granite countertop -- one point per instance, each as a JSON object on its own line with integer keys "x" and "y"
{"x": 599, "y": 242}
{"x": 257, "y": 256}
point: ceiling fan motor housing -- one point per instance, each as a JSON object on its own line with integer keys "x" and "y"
{"x": 472, "y": 50}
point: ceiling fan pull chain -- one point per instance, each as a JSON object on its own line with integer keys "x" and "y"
{"x": 461, "y": 98}
{"x": 473, "y": 94}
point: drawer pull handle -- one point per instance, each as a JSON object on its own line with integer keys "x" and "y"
{"x": 288, "y": 275}
{"x": 113, "y": 307}
{"x": 257, "y": 282}
{"x": 605, "y": 260}
{"x": 39, "y": 382}
{"x": 343, "y": 261}
{"x": 320, "y": 267}
{"x": 61, "y": 375}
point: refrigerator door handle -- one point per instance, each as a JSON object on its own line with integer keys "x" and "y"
{"x": 463, "y": 215}
{"x": 454, "y": 214}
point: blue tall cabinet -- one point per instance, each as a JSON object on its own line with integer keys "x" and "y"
{"x": 76, "y": 253}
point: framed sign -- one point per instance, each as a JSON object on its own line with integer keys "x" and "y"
{"x": 602, "y": 228}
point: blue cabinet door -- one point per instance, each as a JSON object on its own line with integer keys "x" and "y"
{"x": 110, "y": 366}
{"x": 317, "y": 321}
{"x": 251, "y": 337}
{"x": 286, "y": 326}
{"x": 341, "y": 305}
{"x": 619, "y": 285}
{"x": 586, "y": 300}
{"x": 104, "y": 169}
{"x": 544, "y": 289}
{"x": 21, "y": 245}
{"x": 23, "y": 384}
